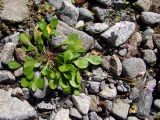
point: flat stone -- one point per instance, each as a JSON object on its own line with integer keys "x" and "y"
{"x": 132, "y": 118}
{"x": 143, "y": 5}
{"x": 132, "y": 67}
{"x": 96, "y": 28}
{"x": 109, "y": 92}
{"x": 12, "y": 108}
{"x": 62, "y": 114}
{"x": 12, "y": 38}
{"x": 74, "y": 112}
{"x": 122, "y": 52}
{"x": 100, "y": 12}
{"x": 118, "y": 33}
{"x": 69, "y": 13}
{"x": 149, "y": 56}
{"x": 150, "y": 17}
{"x": 85, "y": 14}
{"x": 64, "y": 30}
{"x": 6, "y": 77}
{"x": 120, "y": 109}
{"x": 58, "y": 3}
{"x": 116, "y": 65}
{"x": 144, "y": 104}
{"x": 106, "y": 62}
{"x": 94, "y": 103}
{"x": 99, "y": 74}
{"x": 46, "y": 106}
{"x": 15, "y": 10}
{"x": 94, "y": 87}
{"x": 79, "y": 25}
{"x": 7, "y": 52}
{"x": 94, "y": 116}
{"x": 134, "y": 94}
{"x": 82, "y": 102}
{"x": 109, "y": 118}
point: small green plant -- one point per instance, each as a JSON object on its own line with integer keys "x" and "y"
{"x": 59, "y": 69}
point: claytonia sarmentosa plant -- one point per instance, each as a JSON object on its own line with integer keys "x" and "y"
{"x": 60, "y": 69}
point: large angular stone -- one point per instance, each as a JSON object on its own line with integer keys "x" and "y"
{"x": 6, "y": 77}
{"x": 12, "y": 108}
{"x": 64, "y": 30}
{"x": 150, "y": 17}
{"x": 14, "y": 10}
{"x": 119, "y": 33}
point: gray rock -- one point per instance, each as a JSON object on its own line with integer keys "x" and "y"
{"x": 46, "y": 106}
{"x": 100, "y": 12}
{"x": 109, "y": 105}
{"x": 85, "y": 117}
{"x": 109, "y": 118}
{"x": 6, "y": 77}
{"x": 120, "y": 109}
{"x": 150, "y": 17}
{"x": 119, "y": 33}
{"x": 68, "y": 104}
{"x": 79, "y": 25}
{"x": 157, "y": 103}
{"x": 122, "y": 88}
{"x": 26, "y": 93}
{"x": 105, "y": 2}
{"x": 106, "y": 62}
{"x": 99, "y": 74}
{"x": 116, "y": 65}
{"x": 122, "y": 52}
{"x": 82, "y": 102}
{"x": 144, "y": 104}
{"x": 148, "y": 34}
{"x": 157, "y": 40}
{"x": 132, "y": 67}
{"x": 120, "y": 4}
{"x": 132, "y": 118}
{"x": 15, "y": 10}
{"x": 18, "y": 72}
{"x": 143, "y": 5}
{"x": 12, "y": 38}
{"x": 52, "y": 115}
{"x": 69, "y": 13}
{"x": 7, "y": 52}
{"x": 134, "y": 44}
{"x": 62, "y": 114}
{"x": 109, "y": 92}
{"x": 85, "y": 14}
{"x": 96, "y": 28}
{"x": 94, "y": 116}
{"x": 149, "y": 44}
{"x": 94, "y": 87}
{"x": 58, "y": 3}
{"x": 134, "y": 94}
{"x": 64, "y": 30}
{"x": 74, "y": 112}
{"x": 149, "y": 56}
{"x": 12, "y": 108}
{"x": 94, "y": 103}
